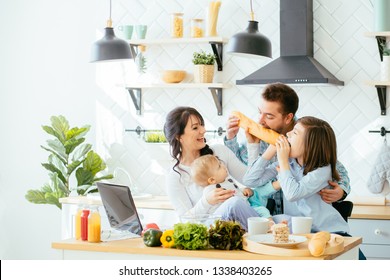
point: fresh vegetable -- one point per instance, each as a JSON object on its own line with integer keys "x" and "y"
{"x": 152, "y": 237}
{"x": 226, "y": 235}
{"x": 189, "y": 236}
{"x": 167, "y": 239}
{"x": 148, "y": 226}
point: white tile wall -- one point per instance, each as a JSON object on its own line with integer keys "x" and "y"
{"x": 339, "y": 45}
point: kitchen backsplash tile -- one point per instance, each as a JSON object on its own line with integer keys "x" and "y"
{"x": 339, "y": 44}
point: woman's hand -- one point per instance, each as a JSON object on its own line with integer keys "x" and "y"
{"x": 283, "y": 152}
{"x": 219, "y": 195}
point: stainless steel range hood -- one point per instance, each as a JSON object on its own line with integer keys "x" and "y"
{"x": 296, "y": 64}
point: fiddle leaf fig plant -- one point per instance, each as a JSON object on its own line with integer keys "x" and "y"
{"x": 68, "y": 154}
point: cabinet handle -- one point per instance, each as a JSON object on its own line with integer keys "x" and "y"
{"x": 377, "y": 231}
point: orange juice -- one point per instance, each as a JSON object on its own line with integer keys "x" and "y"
{"x": 77, "y": 219}
{"x": 94, "y": 225}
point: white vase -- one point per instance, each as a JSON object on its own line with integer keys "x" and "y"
{"x": 385, "y": 68}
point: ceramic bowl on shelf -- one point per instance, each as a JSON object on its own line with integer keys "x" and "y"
{"x": 173, "y": 76}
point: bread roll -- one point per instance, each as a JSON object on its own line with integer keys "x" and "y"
{"x": 317, "y": 243}
{"x": 265, "y": 134}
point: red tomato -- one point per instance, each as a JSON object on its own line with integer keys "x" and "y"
{"x": 148, "y": 226}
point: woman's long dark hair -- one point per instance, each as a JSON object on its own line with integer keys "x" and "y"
{"x": 174, "y": 126}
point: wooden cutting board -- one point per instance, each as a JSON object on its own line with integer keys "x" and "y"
{"x": 335, "y": 245}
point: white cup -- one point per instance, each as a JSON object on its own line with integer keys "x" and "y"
{"x": 301, "y": 225}
{"x": 257, "y": 225}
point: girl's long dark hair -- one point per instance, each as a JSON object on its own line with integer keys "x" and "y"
{"x": 320, "y": 145}
{"x": 174, "y": 126}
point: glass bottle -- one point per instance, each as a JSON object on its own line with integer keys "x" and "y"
{"x": 94, "y": 225}
{"x": 84, "y": 224}
{"x": 197, "y": 30}
{"x": 77, "y": 222}
{"x": 177, "y": 25}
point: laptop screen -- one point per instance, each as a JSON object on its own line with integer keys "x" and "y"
{"x": 120, "y": 208}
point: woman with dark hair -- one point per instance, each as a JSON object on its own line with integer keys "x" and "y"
{"x": 184, "y": 130}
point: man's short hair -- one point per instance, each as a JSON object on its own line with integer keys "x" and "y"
{"x": 284, "y": 95}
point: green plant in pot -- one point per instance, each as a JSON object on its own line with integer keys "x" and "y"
{"x": 203, "y": 67}
{"x": 68, "y": 155}
{"x": 385, "y": 64}
{"x": 155, "y": 137}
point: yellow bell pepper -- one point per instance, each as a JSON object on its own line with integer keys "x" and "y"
{"x": 167, "y": 239}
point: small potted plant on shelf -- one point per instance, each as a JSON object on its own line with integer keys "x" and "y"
{"x": 385, "y": 64}
{"x": 68, "y": 154}
{"x": 156, "y": 145}
{"x": 203, "y": 67}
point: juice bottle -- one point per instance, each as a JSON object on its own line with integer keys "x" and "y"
{"x": 77, "y": 223}
{"x": 94, "y": 225}
{"x": 84, "y": 224}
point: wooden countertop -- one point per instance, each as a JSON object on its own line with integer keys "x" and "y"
{"x": 137, "y": 247}
{"x": 371, "y": 212}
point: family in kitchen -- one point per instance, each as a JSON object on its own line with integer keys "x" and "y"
{"x": 288, "y": 160}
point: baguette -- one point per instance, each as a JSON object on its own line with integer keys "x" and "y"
{"x": 265, "y": 134}
{"x": 317, "y": 243}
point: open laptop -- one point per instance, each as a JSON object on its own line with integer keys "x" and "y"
{"x": 121, "y": 212}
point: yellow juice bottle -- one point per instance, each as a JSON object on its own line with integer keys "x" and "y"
{"x": 94, "y": 225}
{"x": 77, "y": 223}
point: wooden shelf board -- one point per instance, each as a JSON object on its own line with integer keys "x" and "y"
{"x": 178, "y": 41}
{"x": 178, "y": 85}
{"x": 374, "y": 34}
{"x": 378, "y": 83}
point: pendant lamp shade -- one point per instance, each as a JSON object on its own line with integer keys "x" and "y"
{"x": 110, "y": 48}
{"x": 250, "y": 42}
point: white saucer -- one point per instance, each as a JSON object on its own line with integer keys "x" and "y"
{"x": 268, "y": 239}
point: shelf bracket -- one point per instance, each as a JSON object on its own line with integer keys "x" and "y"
{"x": 136, "y": 96}
{"x": 380, "y": 41}
{"x": 217, "y": 97}
{"x": 218, "y": 49}
{"x": 134, "y": 51}
{"x": 382, "y": 98}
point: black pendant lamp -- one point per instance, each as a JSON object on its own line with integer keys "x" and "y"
{"x": 250, "y": 42}
{"x": 110, "y": 48}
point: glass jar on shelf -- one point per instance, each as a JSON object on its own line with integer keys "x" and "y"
{"x": 177, "y": 25}
{"x": 197, "y": 29}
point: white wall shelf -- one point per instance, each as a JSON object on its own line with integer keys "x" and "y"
{"x": 215, "y": 42}
{"x": 380, "y": 86}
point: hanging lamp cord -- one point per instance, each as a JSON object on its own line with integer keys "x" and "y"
{"x": 252, "y": 14}
{"x": 109, "y": 21}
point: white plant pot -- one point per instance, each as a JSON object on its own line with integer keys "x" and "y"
{"x": 385, "y": 68}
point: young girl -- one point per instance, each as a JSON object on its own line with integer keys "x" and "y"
{"x": 306, "y": 162}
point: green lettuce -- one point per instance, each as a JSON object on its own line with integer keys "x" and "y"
{"x": 190, "y": 236}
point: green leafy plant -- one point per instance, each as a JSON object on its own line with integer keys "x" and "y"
{"x": 226, "y": 235}
{"x": 68, "y": 155}
{"x": 385, "y": 51}
{"x": 202, "y": 58}
{"x": 189, "y": 236}
{"x": 155, "y": 137}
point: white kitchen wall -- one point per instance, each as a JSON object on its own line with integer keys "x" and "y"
{"x": 339, "y": 44}
{"x": 45, "y": 71}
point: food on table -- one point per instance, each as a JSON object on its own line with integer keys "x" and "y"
{"x": 191, "y": 236}
{"x": 265, "y": 134}
{"x": 317, "y": 243}
{"x": 152, "y": 237}
{"x": 281, "y": 233}
{"x": 226, "y": 235}
{"x": 148, "y": 226}
{"x": 167, "y": 239}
